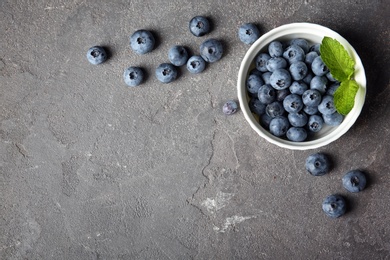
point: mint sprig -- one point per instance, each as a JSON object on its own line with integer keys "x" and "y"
{"x": 342, "y": 68}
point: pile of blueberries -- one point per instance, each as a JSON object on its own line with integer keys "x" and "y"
{"x": 143, "y": 41}
{"x": 335, "y": 205}
{"x": 291, "y": 90}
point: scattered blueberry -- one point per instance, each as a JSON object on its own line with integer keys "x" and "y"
{"x": 248, "y": 33}
{"x": 178, "y": 55}
{"x": 142, "y": 41}
{"x": 166, "y": 72}
{"x": 354, "y": 181}
{"x": 334, "y": 206}
{"x": 279, "y": 126}
{"x": 133, "y": 76}
{"x": 317, "y": 164}
{"x": 199, "y": 26}
{"x": 296, "y": 134}
{"x": 196, "y": 64}
{"x": 96, "y": 55}
{"x": 211, "y": 50}
{"x": 230, "y": 107}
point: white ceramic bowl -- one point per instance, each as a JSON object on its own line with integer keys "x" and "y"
{"x": 314, "y": 34}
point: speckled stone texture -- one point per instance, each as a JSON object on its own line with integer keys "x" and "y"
{"x": 92, "y": 169}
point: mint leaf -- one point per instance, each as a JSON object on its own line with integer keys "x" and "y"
{"x": 337, "y": 59}
{"x": 344, "y": 96}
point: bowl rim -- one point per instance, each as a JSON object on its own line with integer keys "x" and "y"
{"x": 289, "y": 31}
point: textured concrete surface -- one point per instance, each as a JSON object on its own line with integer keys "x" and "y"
{"x": 91, "y": 169}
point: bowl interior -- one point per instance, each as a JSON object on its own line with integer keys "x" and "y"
{"x": 313, "y": 33}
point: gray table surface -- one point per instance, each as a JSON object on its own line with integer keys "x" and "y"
{"x": 92, "y": 169}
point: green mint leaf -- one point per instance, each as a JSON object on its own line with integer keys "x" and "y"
{"x": 344, "y": 96}
{"x": 337, "y": 59}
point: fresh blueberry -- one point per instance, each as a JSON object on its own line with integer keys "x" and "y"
{"x": 326, "y": 107}
{"x": 196, "y": 64}
{"x": 298, "y": 119}
{"x": 310, "y": 110}
{"x": 301, "y": 43}
{"x": 330, "y": 77}
{"x": 319, "y": 83}
{"x": 276, "y": 63}
{"x": 133, "y": 76}
{"x": 261, "y": 61}
{"x": 294, "y": 53}
{"x": 253, "y": 84}
{"x": 296, "y": 134}
{"x": 318, "y": 67}
{"x": 256, "y": 72}
{"x": 310, "y": 57}
{"x": 248, "y": 33}
{"x": 311, "y": 97}
{"x": 334, "y": 119}
{"x": 334, "y": 206}
{"x": 274, "y": 109}
{"x": 266, "y": 94}
{"x": 265, "y": 120}
{"x": 256, "y": 106}
{"x": 354, "y": 181}
{"x": 317, "y": 164}
{"x": 266, "y": 76}
{"x": 298, "y": 70}
{"x": 293, "y": 103}
{"x": 230, "y": 107}
{"x": 280, "y": 79}
{"x": 96, "y": 55}
{"x": 332, "y": 88}
{"x": 199, "y": 26}
{"x": 298, "y": 87}
{"x": 315, "y": 123}
{"x": 211, "y": 50}
{"x": 275, "y": 49}
{"x": 178, "y": 55}
{"x": 316, "y": 48}
{"x": 279, "y": 126}
{"x": 281, "y": 94}
{"x": 166, "y": 72}
{"x": 142, "y": 41}
{"x": 308, "y": 78}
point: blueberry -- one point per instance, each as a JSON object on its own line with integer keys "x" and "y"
{"x": 133, "y": 76}
{"x": 326, "y": 107}
{"x": 256, "y": 72}
{"x": 266, "y": 76}
{"x": 230, "y": 107}
{"x": 276, "y": 63}
{"x": 308, "y": 78}
{"x": 96, "y": 55}
{"x": 253, "y": 84}
{"x": 310, "y": 57}
{"x": 196, "y": 64}
{"x": 280, "y": 79}
{"x": 298, "y": 70}
{"x": 142, "y": 41}
{"x": 318, "y": 67}
{"x": 311, "y": 97}
{"x": 279, "y": 126}
{"x": 199, "y": 26}
{"x": 166, "y": 72}
{"x": 265, "y": 121}
{"x": 317, "y": 164}
{"x": 334, "y": 119}
{"x": 319, "y": 83}
{"x": 293, "y": 103}
{"x": 332, "y": 88}
{"x": 261, "y": 61}
{"x": 282, "y": 94}
{"x": 296, "y": 134}
{"x": 274, "y": 109}
{"x": 316, "y": 48}
{"x": 275, "y": 49}
{"x": 294, "y": 53}
{"x": 266, "y": 94}
{"x": 178, "y": 55}
{"x": 298, "y": 119}
{"x": 298, "y": 87}
{"x": 256, "y": 106}
{"x": 354, "y": 181}
{"x": 334, "y": 206}
{"x": 248, "y": 33}
{"x": 330, "y": 77}
{"x": 211, "y": 50}
{"x": 315, "y": 123}
{"x": 301, "y": 43}
{"x": 310, "y": 110}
